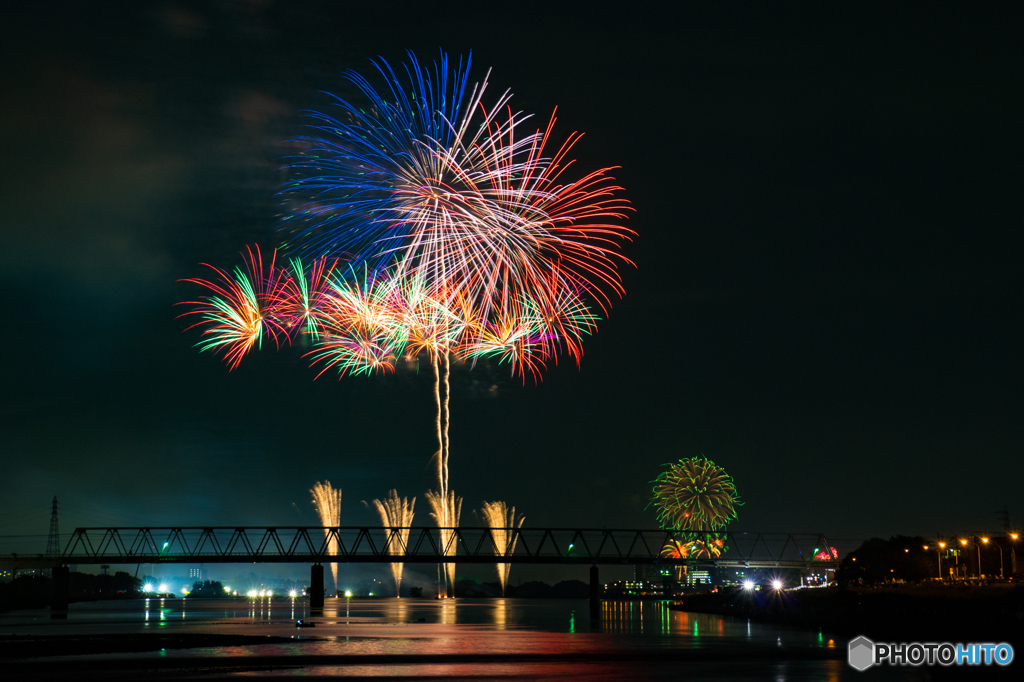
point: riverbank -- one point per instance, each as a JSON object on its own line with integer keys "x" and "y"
{"x": 928, "y": 612}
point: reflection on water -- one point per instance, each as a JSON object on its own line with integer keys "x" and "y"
{"x": 495, "y": 633}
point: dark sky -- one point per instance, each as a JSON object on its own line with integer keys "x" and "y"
{"x": 827, "y": 299}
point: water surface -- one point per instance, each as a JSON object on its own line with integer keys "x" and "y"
{"x": 507, "y": 639}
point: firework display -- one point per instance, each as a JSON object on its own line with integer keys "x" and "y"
{"x": 427, "y": 220}
{"x": 695, "y": 494}
{"x": 707, "y": 548}
{"x": 502, "y": 521}
{"x": 363, "y": 324}
{"x": 327, "y": 502}
{"x": 396, "y": 513}
{"x": 434, "y": 181}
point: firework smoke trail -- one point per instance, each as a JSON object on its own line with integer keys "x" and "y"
{"x": 241, "y": 309}
{"x": 396, "y": 513}
{"x": 501, "y": 519}
{"x": 446, "y": 512}
{"x": 327, "y": 501}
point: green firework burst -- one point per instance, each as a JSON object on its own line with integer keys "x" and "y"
{"x": 695, "y": 494}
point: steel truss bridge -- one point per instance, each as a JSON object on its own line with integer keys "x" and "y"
{"x": 431, "y": 545}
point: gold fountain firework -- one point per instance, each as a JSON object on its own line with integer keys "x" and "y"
{"x": 446, "y": 511}
{"x": 327, "y": 501}
{"x": 501, "y": 519}
{"x": 396, "y": 513}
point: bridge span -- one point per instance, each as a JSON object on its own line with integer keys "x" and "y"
{"x": 431, "y": 545}
{"x": 316, "y": 545}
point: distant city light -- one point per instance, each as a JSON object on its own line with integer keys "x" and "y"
{"x": 148, "y": 587}
{"x": 348, "y": 593}
{"x": 748, "y": 584}
{"x": 251, "y": 593}
{"x": 777, "y": 584}
{"x": 292, "y": 593}
{"x": 228, "y": 590}
{"x": 162, "y": 588}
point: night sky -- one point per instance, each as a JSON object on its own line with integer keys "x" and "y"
{"x": 827, "y": 298}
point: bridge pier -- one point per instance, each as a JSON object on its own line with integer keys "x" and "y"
{"x": 60, "y": 580}
{"x": 316, "y": 586}
{"x": 595, "y": 593}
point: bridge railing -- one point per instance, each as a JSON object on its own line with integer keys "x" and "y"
{"x": 435, "y": 545}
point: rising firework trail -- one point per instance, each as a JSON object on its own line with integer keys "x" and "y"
{"x": 396, "y": 513}
{"x": 501, "y": 519}
{"x": 327, "y": 501}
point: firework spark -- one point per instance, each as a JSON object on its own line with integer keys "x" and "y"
{"x": 396, "y": 513}
{"x": 695, "y": 494}
{"x": 305, "y": 296}
{"x": 327, "y": 501}
{"x": 240, "y": 310}
{"x": 501, "y": 519}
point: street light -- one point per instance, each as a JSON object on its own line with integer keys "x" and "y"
{"x": 938, "y": 553}
{"x": 968, "y": 542}
{"x": 985, "y": 540}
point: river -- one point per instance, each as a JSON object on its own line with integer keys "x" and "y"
{"x": 508, "y": 639}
